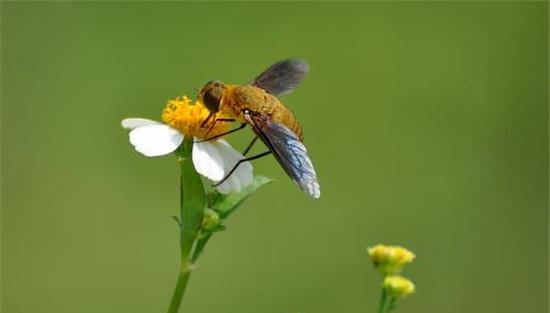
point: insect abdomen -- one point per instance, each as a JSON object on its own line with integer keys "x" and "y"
{"x": 258, "y": 100}
{"x": 284, "y": 116}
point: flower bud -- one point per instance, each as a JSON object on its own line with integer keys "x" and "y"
{"x": 390, "y": 259}
{"x": 398, "y": 286}
{"x": 210, "y": 220}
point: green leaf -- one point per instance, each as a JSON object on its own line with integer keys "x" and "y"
{"x": 213, "y": 197}
{"x": 192, "y": 199}
{"x": 226, "y": 204}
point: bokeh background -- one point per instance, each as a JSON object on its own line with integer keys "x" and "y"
{"x": 427, "y": 123}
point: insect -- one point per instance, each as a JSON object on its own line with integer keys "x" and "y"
{"x": 257, "y": 104}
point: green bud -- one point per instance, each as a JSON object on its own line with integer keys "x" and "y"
{"x": 210, "y": 220}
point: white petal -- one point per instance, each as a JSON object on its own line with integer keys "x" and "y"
{"x": 207, "y": 160}
{"x": 224, "y": 188}
{"x": 155, "y": 139}
{"x": 134, "y": 122}
{"x": 227, "y": 186}
{"x": 232, "y": 183}
{"x": 241, "y": 177}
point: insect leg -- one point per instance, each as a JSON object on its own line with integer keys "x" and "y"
{"x": 250, "y": 145}
{"x": 215, "y": 121}
{"x": 224, "y": 120}
{"x": 207, "y": 119}
{"x": 223, "y": 134}
{"x": 239, "y": 163}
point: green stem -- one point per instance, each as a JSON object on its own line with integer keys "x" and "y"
{"x": 199, "y": 247}
{"x": 192, "y": 204}
{"x": 177, "y": 296}
{"x": 392, "y": 304}
{"x": 383, "y": 299}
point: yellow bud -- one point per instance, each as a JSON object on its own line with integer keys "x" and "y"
{"x": 210, "y": 219}
{"x": 398, "y": 286}
{"x": 390, "y": 259}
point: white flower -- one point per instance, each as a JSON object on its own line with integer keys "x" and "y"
{"x": 212, "y": 159}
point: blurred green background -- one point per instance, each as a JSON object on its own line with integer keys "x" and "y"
{"x": 427, "y": 123}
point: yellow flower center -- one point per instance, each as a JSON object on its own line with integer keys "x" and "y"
{"x": 188, "y": 118}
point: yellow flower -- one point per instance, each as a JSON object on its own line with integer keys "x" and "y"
{"x": 390, "y": 259}
{"x": 398, "y": 286}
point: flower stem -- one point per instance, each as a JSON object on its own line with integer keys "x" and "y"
{"x": 192, "y": 204}
{"x": 392, "y": 304}
{"x": 177, "y": 296}
{"x": 383, "y": 299}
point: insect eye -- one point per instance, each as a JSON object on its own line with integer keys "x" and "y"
{"x": 211, "y": 100}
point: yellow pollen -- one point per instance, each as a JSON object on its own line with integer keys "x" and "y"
{"x": 188, "y": 118}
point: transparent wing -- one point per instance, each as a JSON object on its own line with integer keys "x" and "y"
{"x": 289, "y": 151}
{"x": 282, "y": 77}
